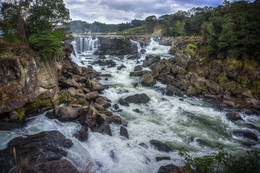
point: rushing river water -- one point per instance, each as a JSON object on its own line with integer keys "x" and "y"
{"x": 182, "y": 122}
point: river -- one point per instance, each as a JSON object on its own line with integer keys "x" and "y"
{"x": 195, "y": 124}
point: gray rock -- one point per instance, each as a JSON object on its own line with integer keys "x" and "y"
{"x": 161, "y": 146}
{"x": 123, "y": 102}
{"x": 138, "y": 68}
{"x": 56, "y": 166}
{"x": 245, "y": 134}
{"x": 138, "y": 98}
{"x": 50, "y": 145}
{"x": 148, "y": 80}
{"x": 124, "y": 132}
{"x": 168, "y": 168}
{"x": 233, "y": 116}
{"x": 68, "y": 113}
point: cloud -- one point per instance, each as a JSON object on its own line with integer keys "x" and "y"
{"x": 118, "y": 11}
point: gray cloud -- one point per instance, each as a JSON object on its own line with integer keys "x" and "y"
{"x": 118, "y": 11}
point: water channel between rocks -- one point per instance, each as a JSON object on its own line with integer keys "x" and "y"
{"x": 182, "y": 122}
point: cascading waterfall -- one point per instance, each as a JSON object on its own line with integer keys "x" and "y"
{"x": 189, "y": 123}
{"x": 86, "y": 44}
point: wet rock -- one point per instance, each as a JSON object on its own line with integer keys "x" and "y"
{"x": 105, "y": 129}
{"x": 162, "y": 158}
{"x": 245, "y": 134}
{"x": 138, "y": 73}
{"x": 149, "y": 60}
{"x": 161, "y": 146}
{"x": 142, "y": 51}
{"x": 92, "y": 95}
{"x": 56, "y": 166}
{"x": 137, "y": 110}
{"x": 48, "y": 145}
{"x": 95, "y": 86}
{"x": 170, "y": 90}
{"x": 168, "y": 168}
{"x": 114, "y": 119}
{"x": 102, "y": 57}
{"x": 138, "y": 68}
{"x": 103, "y": 101}
{"x": 123, "y": 102}
{"x": 133, "y": 57}
{"x": 138, "y": 98}
{"x": 121, "y": 67}
{"x": 109, "y": 63}
{"x": 233, "y": 116}
{"x": 82, "y": 134}
{"x": 148, "y": 80}
{"x": 105, "y": 75}
{"x": 124, "y": 132}
{"x": 165, "y": 78}
{"x": 50, "y": 115}
{"x": 144, "y": 145}
{"x": 5, "y": 126}
{"x": 116, "y": 107}
{"x": 90, "y": 117}
{"x": 68, "y": 113}
{"x": 191, "y": 91}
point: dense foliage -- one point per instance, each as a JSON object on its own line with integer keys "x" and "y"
{"x": 229, "y": 30}
{"x": 47, "y": 43}
{"x": 36, "y": 21}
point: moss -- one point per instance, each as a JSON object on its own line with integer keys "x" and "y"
{"x": 39, "y": 103}
{"x": 21, "y": 115}
{"x": 191, "y": 51}
{"x": 23, "y": 61}
{"x": 192, "y": 45}
{"x": 222, "y": 78}
{"x": 231, "y": 86}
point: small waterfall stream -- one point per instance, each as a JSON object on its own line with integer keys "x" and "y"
{"x": 191, "y": 123}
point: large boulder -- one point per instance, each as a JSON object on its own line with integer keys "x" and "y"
{"x": 66, "y": 113}
{"x": 233, "y": 116}
{"x": 124, "y": 132}
{"x": 168, "y": 169}
{"x": 55, "y": 166}
{"x": 161, "y": 146}
{"x": 148, "y": 80}
{"x": 246, "y": 134}
{"x": 137, "y": 98}
{"x": 150, "y": 59}
{"x": 44, "y": 146}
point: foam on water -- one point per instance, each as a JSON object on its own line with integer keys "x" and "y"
{"x": 190, "y": 123}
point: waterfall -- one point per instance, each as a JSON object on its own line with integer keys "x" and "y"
{"x": 86, "y": 44}
{"x": 137, "y": 44}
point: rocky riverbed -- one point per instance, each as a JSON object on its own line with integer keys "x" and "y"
{"x": 124, "y": 104}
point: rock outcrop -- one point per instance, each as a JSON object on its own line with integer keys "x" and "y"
{"x": 26, "y": 83}
{"x": 45, "y": 146}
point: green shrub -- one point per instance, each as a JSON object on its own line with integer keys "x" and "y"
{"x": 47, "y": 44}
{"x": 223, "y": 162}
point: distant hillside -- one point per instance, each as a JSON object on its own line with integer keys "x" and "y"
{"x": 85, "y": 27}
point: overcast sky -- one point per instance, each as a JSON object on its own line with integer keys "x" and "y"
{"x": 118, "y": 11}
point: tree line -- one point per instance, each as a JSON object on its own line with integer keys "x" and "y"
{"x": 79, "y": 26}
{"x": 229, "y": 30}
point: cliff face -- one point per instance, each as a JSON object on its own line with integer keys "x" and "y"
{"x": 24, "y": 80}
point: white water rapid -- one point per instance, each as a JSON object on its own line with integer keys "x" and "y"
{"x": 191, "y": 123}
